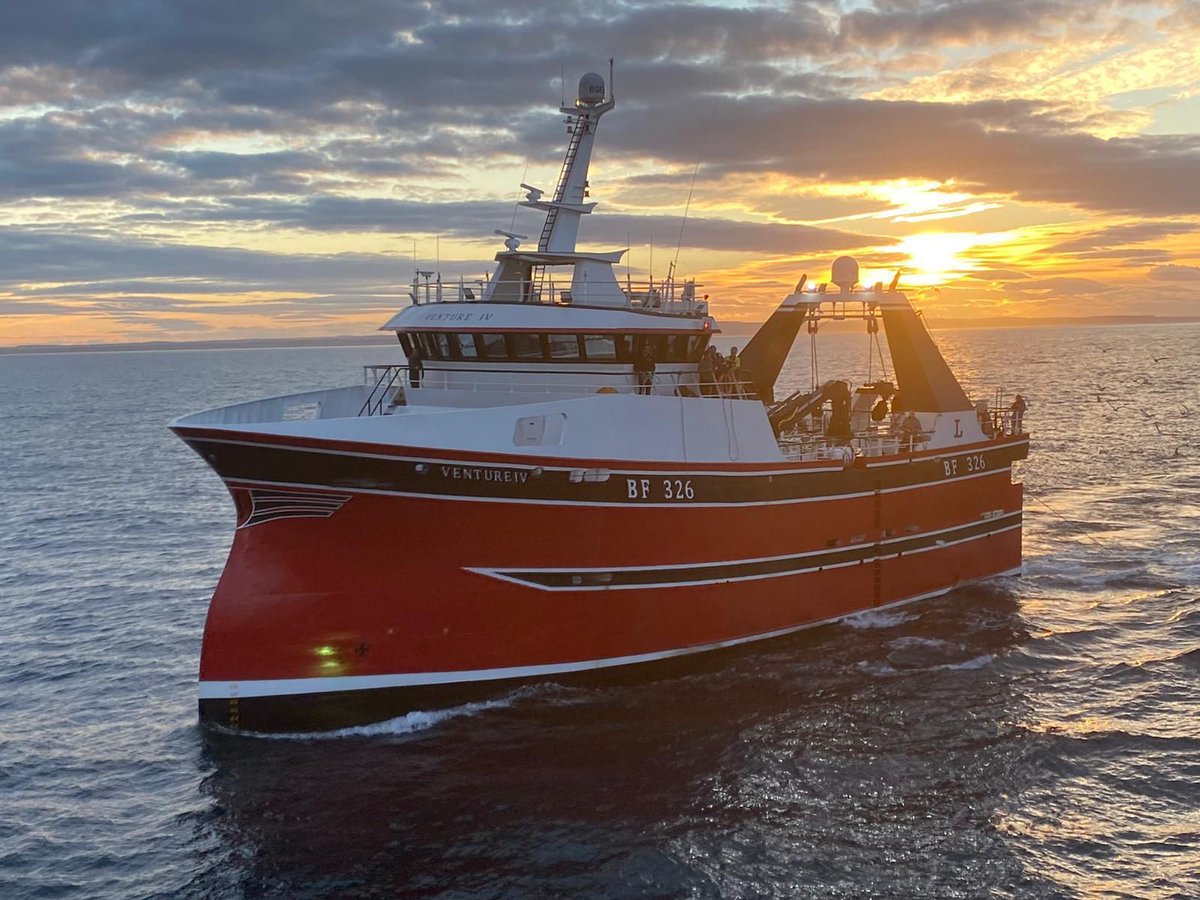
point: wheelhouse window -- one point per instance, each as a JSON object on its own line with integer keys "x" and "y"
{"x": 492, "y": 346}
{"x": 564, "y": 346}
{"x": 600, "y": 348}
{"x": 526, "y": 347}
{"x": 433, "y": 345}
{"x": 530, "y": 347}
{"x": 462, "y": 346}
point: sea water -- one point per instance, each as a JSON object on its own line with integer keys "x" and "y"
{"x": 1027, "y": 737}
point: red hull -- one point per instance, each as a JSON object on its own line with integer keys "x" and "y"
{"x": 382, "y": 593}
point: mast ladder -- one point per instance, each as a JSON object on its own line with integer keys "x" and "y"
{"x": 580, "y": 127}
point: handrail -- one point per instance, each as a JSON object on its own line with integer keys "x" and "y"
{"x": 373, "y": 405}
{"x": 666, "y": 296}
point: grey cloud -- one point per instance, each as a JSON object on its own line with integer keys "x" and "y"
{"x": 714, "y": 82}
{"x": 1175, "y": 273}
{"x": 1123, "y": 235}
{"x": 1012, "y": 147}
{"x": 478, "y": 220}
{"x": 922, "y": 24}
{"x": 33, "y": 257}
{"x": 1063, "y": 287}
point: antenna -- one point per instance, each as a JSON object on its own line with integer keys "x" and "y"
{"x": 517, "y": 203}
{"x": 562, "y": 88}
{"x": 687, "y": 206}
{"x": 611, "y": 93}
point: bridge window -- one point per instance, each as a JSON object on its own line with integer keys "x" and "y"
{"x": 565, "y": 346}
{"x": 464, "y": 345}
{"x": 492, "y": 346}
{"x": 529, "y": 347}
{"x": 525, "y": 346}
{"x": 600, "y": 348}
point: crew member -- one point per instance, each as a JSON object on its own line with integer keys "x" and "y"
{"x": 644, "y": 366}
{"x": 734, "y": 364}
{"x": 708, "y": 372}
{"x": 910, "y": 431}
{"x": 416, "y": 366}
{"x": 1018, "y": 410}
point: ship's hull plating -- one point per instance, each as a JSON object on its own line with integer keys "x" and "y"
{"x": 363, "y": 583}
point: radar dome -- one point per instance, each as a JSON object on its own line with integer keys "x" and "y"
{"x": 591, "y": 89}
{"x": 845, "y": 272}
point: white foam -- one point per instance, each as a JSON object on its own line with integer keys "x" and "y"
{"x": 977, "y": 663}
{"x": 410, "y": 723}
{"x": 875, "y": 618}
{"x": 880, "y": 669}
{"x": 912, "y": 641}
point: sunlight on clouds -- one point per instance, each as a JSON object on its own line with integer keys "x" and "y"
{"x": 1082, "y": 77}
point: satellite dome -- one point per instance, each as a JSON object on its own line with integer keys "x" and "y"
{"x": 845, "y": 272}
{"x": 591, "y": 89}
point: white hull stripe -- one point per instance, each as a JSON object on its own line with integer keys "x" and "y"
{"x": 284, "y": 687}
{"x": 630, "y": 578}
{"x": 266, "y": 506}
{"x": 631, "y": 504}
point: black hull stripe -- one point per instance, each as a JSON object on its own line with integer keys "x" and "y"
{"x": 587, "y": 504}
{"x": 711, "y": 573}
{"x": 1017, "y": 449}
{"x": 273, "y": 466}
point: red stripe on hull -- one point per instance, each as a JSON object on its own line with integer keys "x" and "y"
{"x": 380, "y": 586}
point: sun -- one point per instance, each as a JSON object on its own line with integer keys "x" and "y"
{"x": 935, "y": 258}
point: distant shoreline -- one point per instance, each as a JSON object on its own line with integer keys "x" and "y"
{"x": 728, "y": 328}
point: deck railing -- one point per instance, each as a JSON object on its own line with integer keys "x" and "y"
{"x": 388, "y": 385}
{"x": 667, "y": 296}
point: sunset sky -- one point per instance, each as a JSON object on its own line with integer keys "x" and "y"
{"x": 210, "y": 170}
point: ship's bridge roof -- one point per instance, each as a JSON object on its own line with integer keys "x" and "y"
{"x": 543, "y": 318}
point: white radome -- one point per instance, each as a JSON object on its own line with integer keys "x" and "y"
{"x": 591, "y": 89}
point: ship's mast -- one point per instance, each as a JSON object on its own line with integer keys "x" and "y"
{"x": 561, "y": 230}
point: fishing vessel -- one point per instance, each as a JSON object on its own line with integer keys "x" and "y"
{"x": 561, "y": 477}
